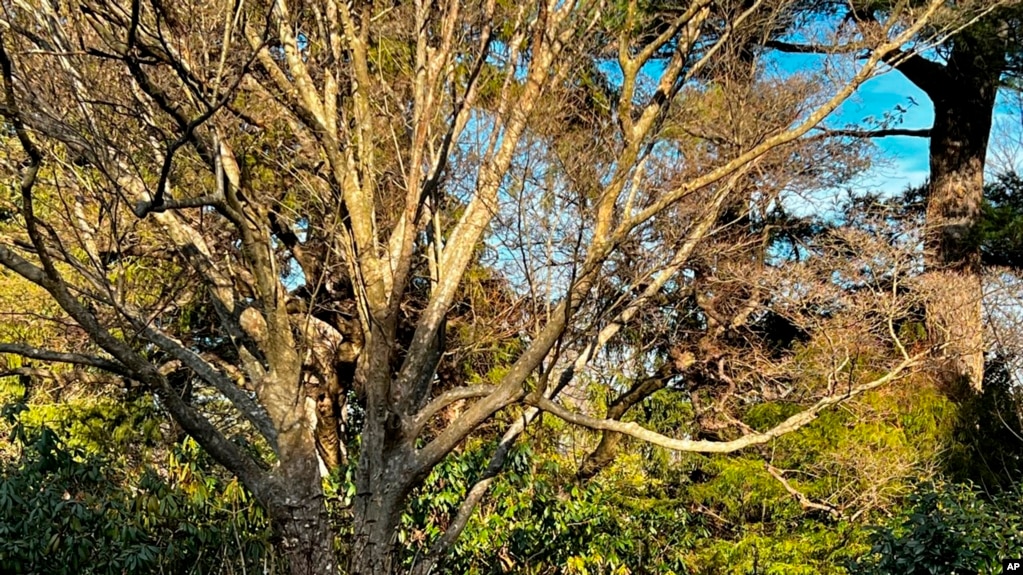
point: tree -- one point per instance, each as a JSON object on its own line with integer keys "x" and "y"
{"x": 286, "y": 204}
{"x": 962, "y": 81}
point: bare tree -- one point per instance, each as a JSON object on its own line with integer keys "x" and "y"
{"x": 285, "y": 203}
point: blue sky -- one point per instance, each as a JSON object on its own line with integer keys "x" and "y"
{"x": 902, "y": 161}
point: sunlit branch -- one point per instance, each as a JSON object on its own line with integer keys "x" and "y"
{"x": 791, "y": 424}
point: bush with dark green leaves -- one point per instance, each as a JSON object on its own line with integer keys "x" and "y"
{"x": 538, "y": 520}
{"x": 947, "y": 529}
{"x": 65, "y": 512}
{"x": 987, "y": 446}
{"x": 1000, "y": 230}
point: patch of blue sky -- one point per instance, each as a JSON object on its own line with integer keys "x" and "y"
{"x": 902, "y": 162}
{"x": 1006, "y": 146}
{"x": 887, "y": 100}
{"x": 899, "y": 162}
{"x": 536, "y": 225}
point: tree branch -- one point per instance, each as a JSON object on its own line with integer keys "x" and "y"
{"x": 791, "y": 424}
{"x": 482, "y": 484}
{"x": 460, "y": 247}
{"x": 443, "y": 400}
{"x": 931, "y": 77}
{"x": 804, "y": 501}
{"x": 881, "y": 53}
{"x": 145, "y": 207}
{"x": 476, "y": 493}
{"x": 927, "y": 75}
{"x": 880, "y": 133}
{"x": 608, "y": 446}
{"x": 28, "y": 372}
{"x": 195, "y": 424}
{"x": 822, "y": 49}
{"x": 61, "y": 357}
{"x": 238, "y": 397}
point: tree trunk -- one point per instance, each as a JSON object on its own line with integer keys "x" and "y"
{"x": 382, "y": 484}
{"x": 297, "y": 508}
{"x": 307, "y": 537}
{"x": 386, "y": 466}
{"x": 376, "y": 527}
{"x": 959, "y": 139}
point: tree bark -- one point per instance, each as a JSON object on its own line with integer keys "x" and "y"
{"x": 307, "y": 536}
{"x": 297, "y": 507}
{"x": 383, "y": 483}
{"x": 376, "y": 525}
{"x": 387, "y": 462}
{"x": 962, "y": 126}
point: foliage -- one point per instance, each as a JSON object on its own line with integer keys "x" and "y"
{"x": 538, "y": 520}
{"x": 64, "y": 510}
{"x": 947, "y": 529}
{"x": 858, "y": 461}
{"x": 988, "y": 446}
{"x": 1000, "y": 230}
{"x": 810, "y": 548}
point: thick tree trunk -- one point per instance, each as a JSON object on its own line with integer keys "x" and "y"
{"x": 307, "y": 537}
{"x": 382, "y": 483}
{"x": 297, "y": 507}
{"x": 376, "y": 526}
{"x": 386, "y": 464}
{"x": 962, "y": 126}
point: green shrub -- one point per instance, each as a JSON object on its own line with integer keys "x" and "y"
{"x": 947, "y": 530}
{"x": 63, "y": 511}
